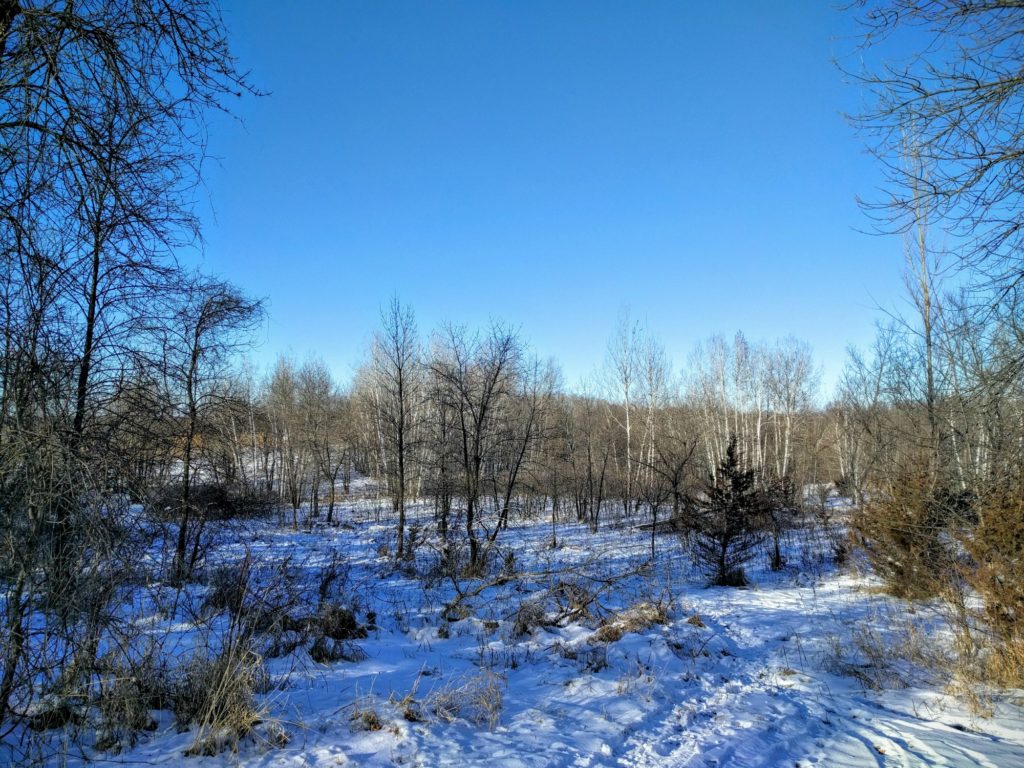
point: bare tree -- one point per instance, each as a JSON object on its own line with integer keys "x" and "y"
{"x": 622, "y": 370}
{"x": 213, "y": 322}
{"x": 479, "y": 375}
{"x": 961, "y": 99}
{"x": 101, "y": 116}
{"x": 397, "y": 383}
{"x": 290, "y": 443}
{"x": 589, "y": 452}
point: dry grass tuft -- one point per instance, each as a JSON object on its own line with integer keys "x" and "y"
{"x": 476, "y": 699}
{"x": 636, "y": 618}
{"x": 366, "y": 719}
{"x": 216, "y": 695}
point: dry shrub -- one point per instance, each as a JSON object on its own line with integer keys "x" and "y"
{"x": 408, "y": 704}
{"x": 891, "y": 651}
{"x": 366, "y": 719}
{"x": 476, "y": 699}
{"x": 996, "y": 546}
{"x": 909, "y": 538}
{"x": 869, "y": 661}
{"x": 124, "y": 714}
{"x": 277, "y": 611}
{"x": 608, "y": 633}
{"x": 642, "y": 616}
{"x": 325, "y": 650}
{"x": 573, "y": 600}
{"x": 1004, "y": 665}
{"x": 593, "y": 659}
{"x": 904, "y": 534}
{"x": 216, "y": 695}
{"x": 528, "y": 616}
{"x": 228, "y": 588}
{"x": 331, "y": 629}
{"x": 338, "y": 623}
{"x": 128, "y": 690}
{"x": 636, "y": 618}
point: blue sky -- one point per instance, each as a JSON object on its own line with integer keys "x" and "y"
{"x": 548, "y": 163}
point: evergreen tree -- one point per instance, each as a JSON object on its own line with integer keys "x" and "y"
{"x": 729, "y": 528}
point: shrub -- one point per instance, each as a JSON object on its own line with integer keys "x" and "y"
{"x": 228, "y": 588}
{"x": 127, "y": 691}
{"x": 529, "y": 616}
{"x": 216, "y": 501}
{"x": 905, "y": 536}
{"x": 366, "y": 720}
{"x": 338, "y": 623}
{"x": 216, "y": 695}
{"x": 327, "y": 651}
{"x": 996, "y": 546}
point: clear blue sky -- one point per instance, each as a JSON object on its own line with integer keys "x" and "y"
{"x": 548, "y": 163}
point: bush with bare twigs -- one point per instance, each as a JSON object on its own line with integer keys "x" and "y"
{"x": 636, "y": 618}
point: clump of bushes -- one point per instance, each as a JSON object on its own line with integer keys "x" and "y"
{"x": 905, "y": 534}
{"x": 476, "y": 699}
{"x": 279, "y": 611}
{"x": 216, "y": 501}
{"x": 127, "y": 691}
{"x": 996, "y": 548}
{"x": 926, "y": 541}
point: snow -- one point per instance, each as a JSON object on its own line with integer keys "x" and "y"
{"x": 770, "y": 675}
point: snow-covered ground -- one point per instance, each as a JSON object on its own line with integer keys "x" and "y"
{"x": 771, "y": 675}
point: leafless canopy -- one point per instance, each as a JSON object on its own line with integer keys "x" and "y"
{"x": 959, "y": 101}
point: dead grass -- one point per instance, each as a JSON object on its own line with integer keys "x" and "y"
{"x": 366, "y": 719}
{"x": 476, "y": 699}
{"x": 216, "y": 696}
{"x": 636, "y": 618}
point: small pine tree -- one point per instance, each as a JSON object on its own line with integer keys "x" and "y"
{"x": 729, "y": 529}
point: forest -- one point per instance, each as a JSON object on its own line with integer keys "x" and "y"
{"x": 709, "y": 560}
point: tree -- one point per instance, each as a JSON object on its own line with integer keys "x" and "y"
{"x": 588, "y": 454}
{"x": 524, "y": 427}
{"x": 290, "y": 443}
{"x": 440, "y": 455}
{"x": 213, "y": 323}
{"x": 478, "y": 375}
{"x": 960, "y": 100}
{"x": 101, "y": 116}
{"x": 729, "y": 526}
{"x": 622, "y": 369}
{"x": 397, "y": 383}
